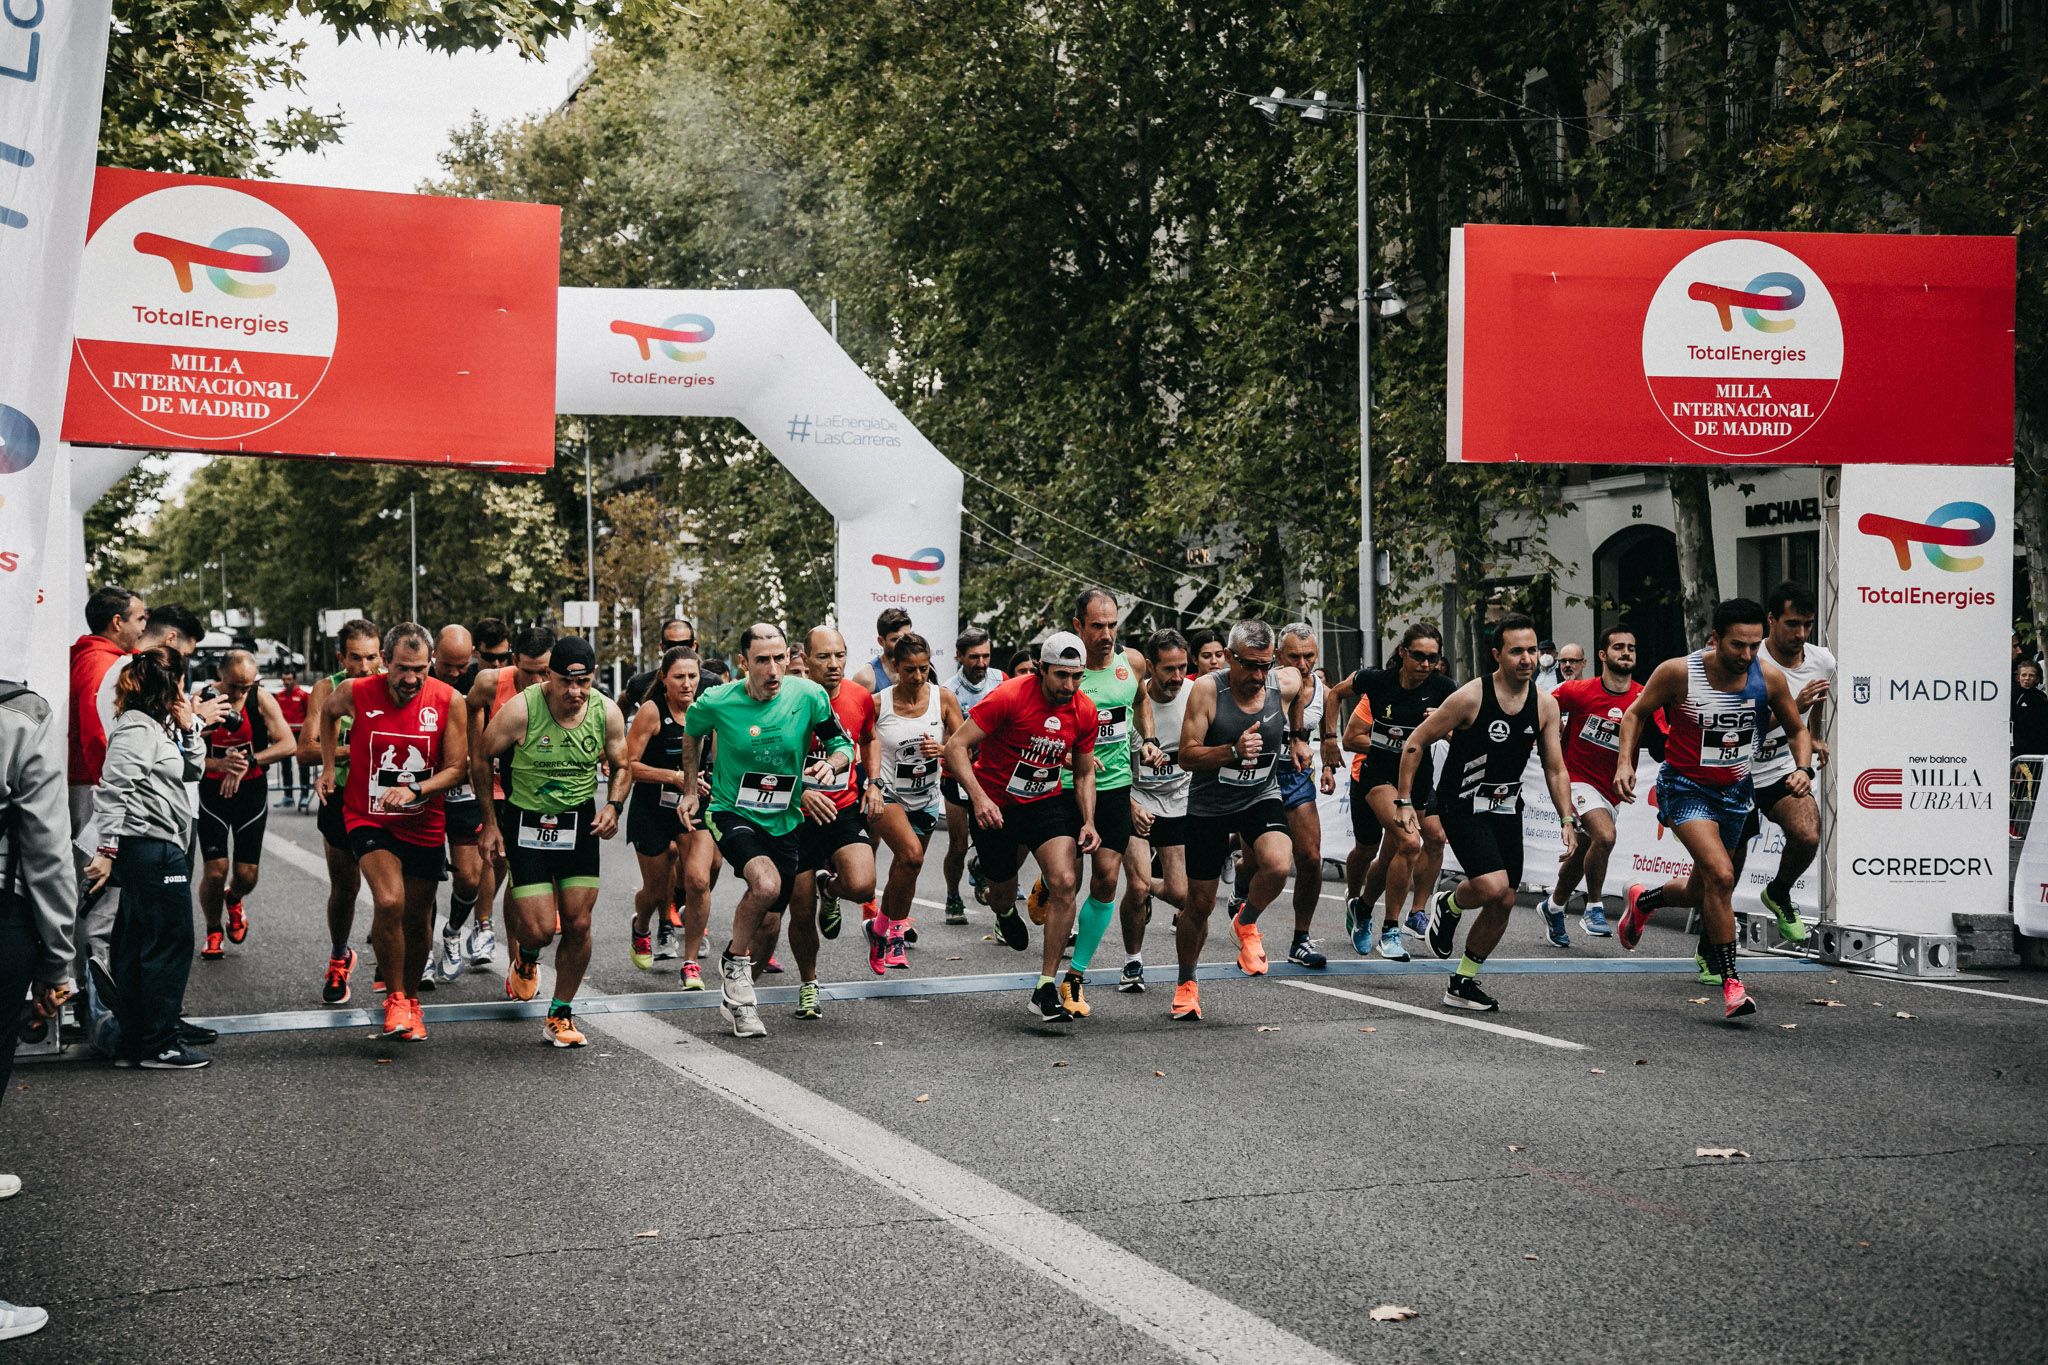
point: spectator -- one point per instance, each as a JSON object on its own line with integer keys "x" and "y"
{"x": 1571, "y": 662}
{"x": 291, "y": 699}
{"x": 1023, "y": 662}
{"x": 38, "y": 899}
{"x": 2029, "y": 713}
{"x": 115, "y": 619}
{"x": 1547, "y": 677}
{"x": 145, "y": 822}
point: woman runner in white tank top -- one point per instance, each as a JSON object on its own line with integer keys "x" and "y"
{"x": 916, "y": 716}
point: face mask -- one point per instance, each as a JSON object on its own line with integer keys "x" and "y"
{"x": 1546, "y": 660}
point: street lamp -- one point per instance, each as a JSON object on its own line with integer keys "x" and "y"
{"x": 1387, "y": 302}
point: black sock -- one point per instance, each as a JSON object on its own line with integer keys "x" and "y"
{"x": 458, "y": 910}
{"x": 1650, "y": 899}
{"x": 529, "y": 956}
{"x": 1720, "y": 959}
{"x": 1300, "y": 937}
{"x": 1187, "y": 974}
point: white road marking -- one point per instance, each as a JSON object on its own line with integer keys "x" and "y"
{"x": 1182, "y": 1317}
{"x": 1439, "y": 1016}
{"x": 312, "y": 864}
{"x": 1959, "y": 990}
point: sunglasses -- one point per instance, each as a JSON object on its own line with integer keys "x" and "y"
{"x": 1252, "y": 665}
{"x": 504, "y": 657}
{"x": 1430, "y": 660}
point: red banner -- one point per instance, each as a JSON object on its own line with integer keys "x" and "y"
{"x": 1633, "y": 346}
{"x": 245, "y": 315}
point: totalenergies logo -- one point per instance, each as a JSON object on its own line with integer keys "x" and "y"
{"x": 923, "y": 567}
{"x": 675, "y": 336}
{"x": 1938, "y": 531}
{"x": 1754, "y": 299}
{"x": 221, "y": 260}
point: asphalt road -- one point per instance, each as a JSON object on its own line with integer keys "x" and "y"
{"x": 936, "y": 1177}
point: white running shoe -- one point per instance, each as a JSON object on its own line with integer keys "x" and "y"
{"x": 10, "y": 1185}
{"x": 449, "y": 961}
{"x": 739, "y": 1007}
{"x": 479, "y": 944}
{"x": 19, "y": 1321}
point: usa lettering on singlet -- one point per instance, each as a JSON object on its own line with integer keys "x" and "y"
{"x": 1714, "y": 733}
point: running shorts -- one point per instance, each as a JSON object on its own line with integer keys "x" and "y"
{"x": 464, "y": 820}
{"x": 546, "y": 851}
{"x": 955, "y": 794}
{"x": 332, "y": 825}
{"x": 1168, "y": 831}
{"x": 741, "y": 841}
{"x": 1587, "y": 797}
{"x": 1026, "y": 828}
{"x": 1767, "y": 799}
{"x": 1484, "y": 843}
{"x": 924, "y": 820}
{"x": 816, "y": 844}
{"x": 1297, "y": 788}
{"x": 652, "y": 826}
{"x": 1680, "y": 800}
{"x": 419, "y": 862}
{"x": 1112, "y": 817}
{"x": 1208, "y": 836}
{"x": 239, "y": 819}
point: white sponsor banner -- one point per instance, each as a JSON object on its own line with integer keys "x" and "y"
{"x": 759, "y": 356}
{"x": 1644, "y": 851}
{"x": 1921, "y": 733}
{"x": 53, "y": 59}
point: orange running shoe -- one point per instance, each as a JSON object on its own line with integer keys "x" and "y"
{"x": 562, "y": 1031}
{"x": 397, "y": 1016}
{"x": 523, "y": 979}
{"x": 1251, "y": 949}
{"x": 238, "y": 923}
{"x": 418, "y": 1032}
{"x": 213, "y": 952}
{"x": 1187, "y": 1002}
{"x": 673, "y": 915}
{"x": 1034, "y": 903}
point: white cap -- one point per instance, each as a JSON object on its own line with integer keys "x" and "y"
{"x": 1063, "y": 647}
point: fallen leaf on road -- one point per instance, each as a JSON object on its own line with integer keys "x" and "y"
{"x": 383, "y": 1061}
{"x": 1528, "y": 1257}
{"x": 1697, "y": 1000}
{"x": 990, "y": 938}
{"x": 1513, "y": 1148}
{"x": 651, "y": 1232}
{"x": 1831, "y": 1004}
{"x": 1642, "y": 1061}
{"x": 1159, "y": 1073}
{"x": 876, "y": 1044}
{"x": 1598, "y": 1072}
{"x": 1392, "y": 1312}
{"x": 1901, "y": 1014}
{"x": 1788, "y": 1027}
{"x": 1269, "y": 1028}
{"x": 954, "y": 958}
{"x": 1721, "y": 1153}
{"x": 1833, "y": 982}
{"x": 1368, "y": 1029}
{"x": 1059, "y": 1063}
{"x": 924, "y": 1099}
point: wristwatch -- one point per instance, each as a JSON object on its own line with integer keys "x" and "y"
{"x": 1806, "y": 768}
{"x": 618, "y": 807}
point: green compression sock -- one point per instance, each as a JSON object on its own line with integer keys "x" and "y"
{"x": 1045, "y": 981}
{"x": 1469, "y": 965}
{"x": 1089, "y": 927}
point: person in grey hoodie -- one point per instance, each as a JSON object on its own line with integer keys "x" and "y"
{"x": 145, "y": 827}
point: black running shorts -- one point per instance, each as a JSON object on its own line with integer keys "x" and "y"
{"x": 1209, "y": 835}
{"x": 1026, "y": 827}
{"x": 238, "y": 820}
{"x": 816, "y": 843}
{"x": 1485, "y": 843}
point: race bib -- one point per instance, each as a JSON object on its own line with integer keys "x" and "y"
{"x": 916, "y": 772}
{"x": 1773, "y": 748}
{"x": 1388, "y": 739}
{"x": 455, "y": 796}
{"x": 1162, "y": 772}
{"x": 771, "y": 792}
{"x": 670, "y": 798}
{"x": 1497, "y": 798}
{"x": 1243, "y": 774}
{"x": 832, "y": 784}
{"x": 1112, "y": 725}
{"x": 1604, "y": 731}
{"x": 1032, "y": 780}
{"x": 1726, "y": 746}
{"x": 545, "y": 833}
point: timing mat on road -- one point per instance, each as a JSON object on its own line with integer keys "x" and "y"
{"x": 288, "y": 1021}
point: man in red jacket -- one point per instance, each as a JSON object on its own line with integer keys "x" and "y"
{"x": 114, "y": 621}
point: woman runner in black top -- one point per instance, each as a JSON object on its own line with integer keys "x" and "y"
{"x": 1492, "y": 723}
{"x": 654, "y": 746}
{"x": 1393, "y": 702}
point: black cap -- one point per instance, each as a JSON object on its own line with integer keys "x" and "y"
{"x": 573, "y": 657}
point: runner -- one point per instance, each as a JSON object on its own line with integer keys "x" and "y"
{"x": 1007, "y": 756}
{"x": 971, "y": 681}
{"x": 874, "y": 674}
{"x": 1809, "y": 673}
{"x": 457, "y": 662}
{"x": 1208, "y": 651}
{"x": 1298, "y": 787}
{"x": 1233, "y": 738}
{"x": 916, "y": 716}
{"x": 1589, "y": 713}
{"x": 1159, "y": 806}
{"x": 1492, "y": 723}
{"x": 764, "y": 726}
{"x": 1114, "y": 680}
{"x": 234, "y": 797}
{"x": 1386, "y": 852}
{"x": 836, "y": 854}
{"x": 361, "y": 652}
{"x": 493, "y": 641}
{"x": 526, "y": 665}
{"x": 556, "y": 733}
{"x": 654, "y": 747}
{"x": 291, "y": 704}
{"x": 407, "y": 744}
{"x": 1715, "y": 705}
{"x": 1021, "y": 663}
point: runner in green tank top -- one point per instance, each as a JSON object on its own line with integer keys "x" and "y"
{"x": 1114, "y": 680}
{"x": 548, "y": 824}
{"x": 764, "y": 722}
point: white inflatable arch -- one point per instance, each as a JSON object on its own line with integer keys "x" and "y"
{"x": 760, "y": 357}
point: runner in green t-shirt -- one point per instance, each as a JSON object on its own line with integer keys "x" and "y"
{"x": 763, "y": 723}
{"x": 548, "y": 823}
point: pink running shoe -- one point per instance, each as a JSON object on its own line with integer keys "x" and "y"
{"x": 1629, "y": 928}
{"x": 896, "y": 956}
{"x": 693, "y": 977}
{"x": 878, "y": 946}
{"x": 1735, "y": 999}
